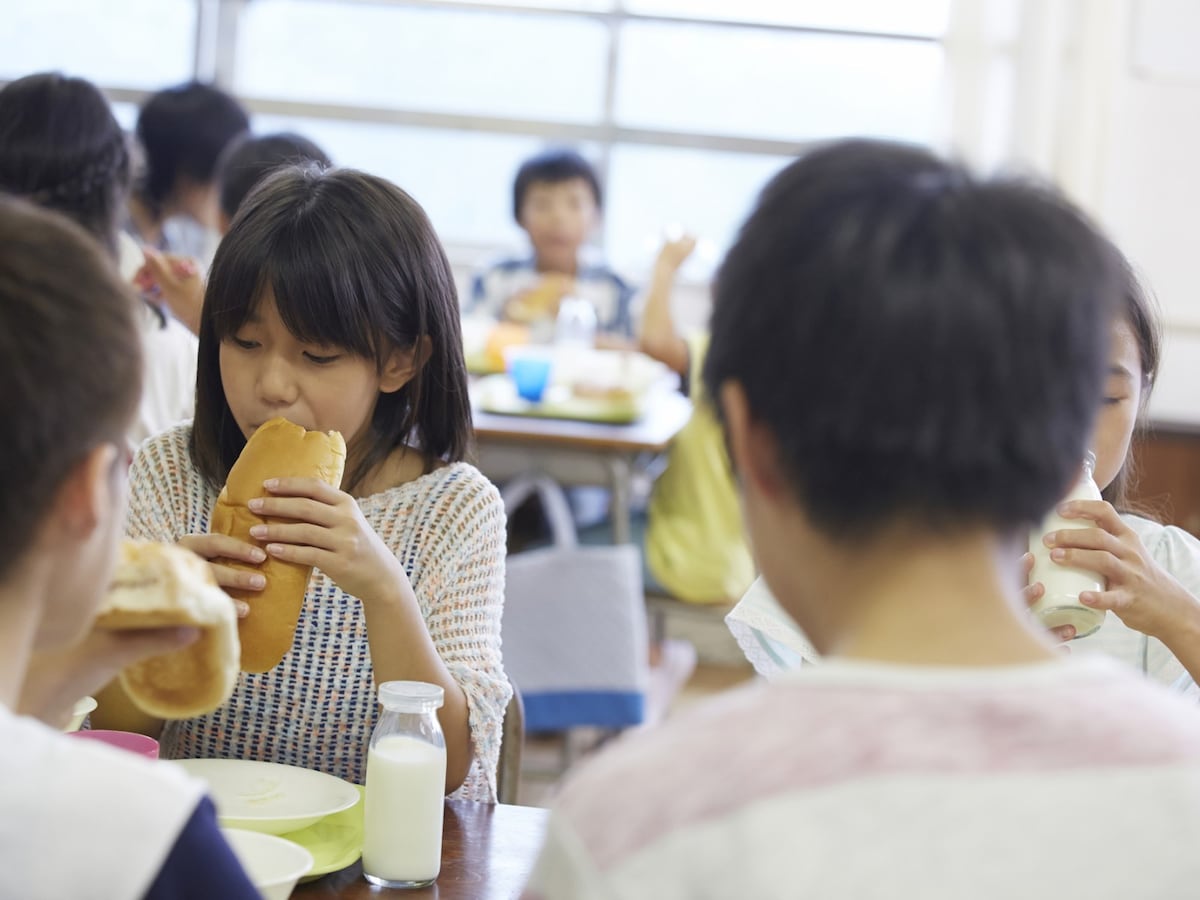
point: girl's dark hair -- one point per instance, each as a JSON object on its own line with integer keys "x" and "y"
{"x": 183, "y": 130}
{"x": 61, "y": 148}
{"x": 72, "y": 372}
{"x": 353, "y": 262}
{"x": 1139, "y": 312}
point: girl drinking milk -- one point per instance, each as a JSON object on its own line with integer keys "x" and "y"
{"x": 331, "y": 303}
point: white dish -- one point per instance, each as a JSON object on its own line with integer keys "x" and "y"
{"x": 269, "y": 797}
{"x": 273, "y": 864}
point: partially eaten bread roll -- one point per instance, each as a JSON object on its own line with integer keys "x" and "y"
{"x": 277, "y": 449}
{"x": 159, "y": 586}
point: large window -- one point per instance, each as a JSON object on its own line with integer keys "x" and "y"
{"x": 686, "y": 106}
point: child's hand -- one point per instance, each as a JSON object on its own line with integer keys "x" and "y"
{"x": 57, "y": 678}
{"x": 1032, "y": 593}
{"x": 328, "y": 531}
{"x": 176, "y": 280}
{"x": 221, "y": 546}
{"x": 1142, "y": 593}
{"x": 674, "y": 253}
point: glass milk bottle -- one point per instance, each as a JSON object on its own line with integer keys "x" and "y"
{"x": 406, "y": 786}
{"x": 1060, "y": 605}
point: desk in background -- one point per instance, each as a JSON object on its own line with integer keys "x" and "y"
{"x": 580, "y": 453}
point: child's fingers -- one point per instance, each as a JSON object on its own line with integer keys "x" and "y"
{"x": 1087, "y": 539}
{"x": 1117, "y": 601}
{"x": 300, "y": 509}
{"x": 313, "y": 488}
{"x": 238, "y": 579}
{"x": 1064, "y": 633}
{"x": 1026, "y": 566}
{"x": 1100, "y": 561}
{"x": 213, "y": 546}
{"x": 298, "y": 534}
{"x": 302, "y": 555}
{"x": 1032, "y": 593}
{"x": 1099, "y": 511}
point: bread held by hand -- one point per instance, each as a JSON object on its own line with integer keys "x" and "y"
{"x": 277, "y": 449}
{"x": 162, "y": 586}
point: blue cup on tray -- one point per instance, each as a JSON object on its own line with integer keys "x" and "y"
{"x": 529, "y": 368}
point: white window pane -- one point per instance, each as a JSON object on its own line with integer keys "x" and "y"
{"x": 458, "y": 61}
{"x": 126, "y": 115}
{"x": 587, "y": 5}
{"x": 789, "y": 86}
{"x": 134, "y": 43}
{"x": 918, "y": 17}
{"x": 462, "y": 179}
{"x": 654, "y": 188}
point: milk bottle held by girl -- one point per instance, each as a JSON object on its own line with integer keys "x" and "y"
{"x": 1060, "y": 605}
{"x": 406, "y": 786}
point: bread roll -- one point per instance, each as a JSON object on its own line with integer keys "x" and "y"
{"x": 278, "y": 449}
{"x": 161, "y": 585}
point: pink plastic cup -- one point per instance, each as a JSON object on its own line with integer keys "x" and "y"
{"x": 125, "y": 740}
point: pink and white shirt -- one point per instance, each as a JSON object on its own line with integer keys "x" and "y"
{"x": 1065, "y": 779}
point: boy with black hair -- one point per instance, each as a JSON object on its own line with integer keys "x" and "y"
{"x": 557, "y": 201}
{"x": 245, "y": 162}
{"x": 908, "y": 363}
{"x": 80, "y": 819}
{"x": 250, "y": 158}
{"x": 182, "y": 131}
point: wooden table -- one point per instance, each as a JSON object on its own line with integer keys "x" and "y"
{"x": 580, "y": 453}
{"x": 488, "y": 852}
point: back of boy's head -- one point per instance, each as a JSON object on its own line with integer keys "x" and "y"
{"x": 554, "y": 167}
{"x": 183, "y": 130}
{"x": 61, "y": 148}
{"x": 924, "y": 346}
{"x": 353, "y": 262}
{"x": 248, "y": 158}
{"x": 72, "y": 369}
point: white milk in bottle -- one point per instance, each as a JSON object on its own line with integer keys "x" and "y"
{"x": 406, "y": 786}
{"x": 1060, "y": 605}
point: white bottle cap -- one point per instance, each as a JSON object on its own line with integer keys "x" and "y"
{"x": 411, "y": 696}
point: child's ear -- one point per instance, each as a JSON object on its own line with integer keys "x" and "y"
{"x": 403, "y": 364}
{"x": 753, "y": 447}
{"x": 88, "y": 494}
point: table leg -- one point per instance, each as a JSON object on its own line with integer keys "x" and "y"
{"x": 621, "y": 480}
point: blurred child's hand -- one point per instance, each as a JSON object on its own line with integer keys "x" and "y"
{"x": 1032, "y": 593}
{"x": 327, "y": 530}
{"x": 176, "y": 281}
{"x": 1139, "y": 591}
{"x": 56, "y": 679}
{"x": 221, "y": 546}
{"x": 674, "y": 253}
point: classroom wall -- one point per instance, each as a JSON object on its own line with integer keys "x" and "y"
{"x": 1150, "y": 184}
{"x": 1103, "y": 97}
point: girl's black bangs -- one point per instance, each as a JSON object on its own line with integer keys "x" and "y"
{"x": 321, "y": 301}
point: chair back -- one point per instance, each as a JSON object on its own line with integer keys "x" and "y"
{"x": 512, "y": 742}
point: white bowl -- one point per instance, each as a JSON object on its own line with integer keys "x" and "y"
{"x": 80, "y": 712}
{"x": 270, "y": 797}
{"x": 273, "y": 864}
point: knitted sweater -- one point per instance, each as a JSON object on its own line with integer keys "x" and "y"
{"x": 316, "y": 708}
